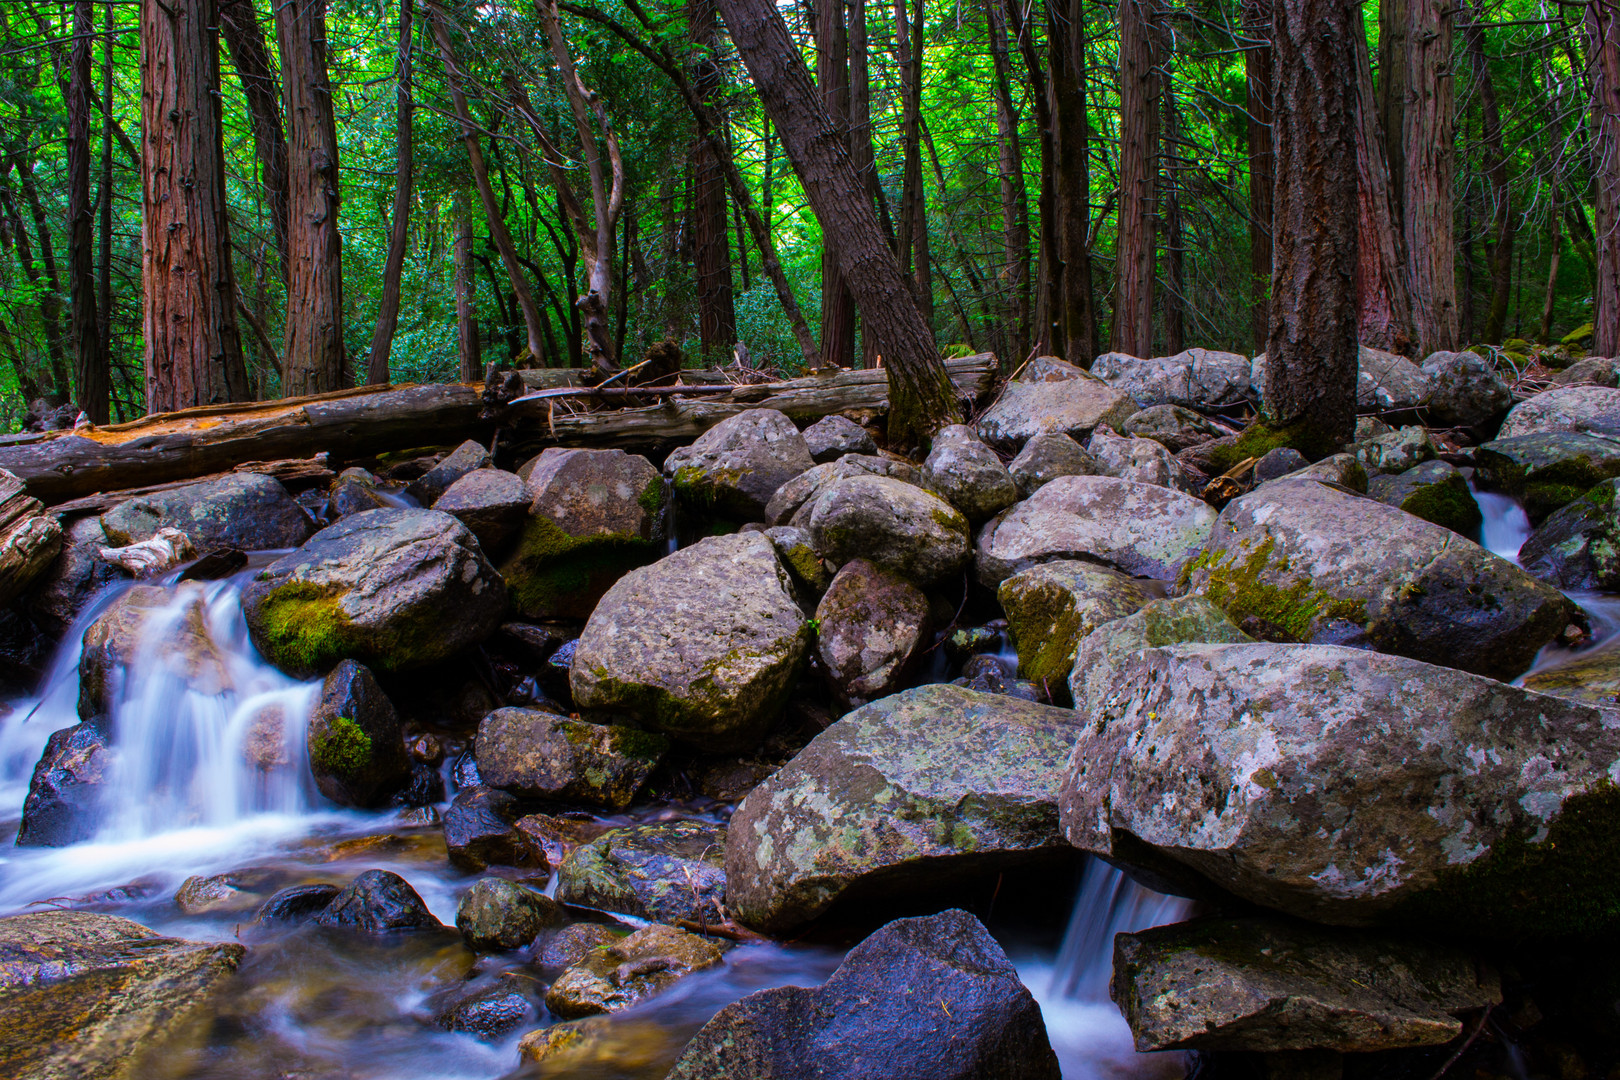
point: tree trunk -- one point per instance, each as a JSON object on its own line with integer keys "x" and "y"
{"x": 1384, "y": 302}
{"x": 1175, "y": 293}
{"x": 312, "y": 354}
{"x": 1013, "y": 320}
{"x": 1071, "y": 189}
{"x": 1544, "y": 334}
{"x": 1603, "y": 49}
{"x": 921, "y": 394}
{"x": 193, "y": 348}
{"x": 912, "y": 228}
{"x": 261, "y": 86}
{"x": 1394, "y": 91}
{"x": 832, "y": 77}
{"x": 1048, "y": 301}
{"x": 91, "y": 374}
{"x": 711, "y": 262}
{"x": 472, "y": 367}
{"x": 1257, "y": 63}
{"x": 1499, "y": 249}
{"x": 1431, "y": 250}
{"x": 104, "y": 198}
{"x": 47, "y": 284}
{"x": 1311, "y": 355}
{"x": 1139, "y": 88}
{"x": 382, "y": 338}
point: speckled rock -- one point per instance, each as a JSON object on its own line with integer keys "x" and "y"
{"x": 72, "y": 580}
{"x": 1073, "y": 406}
{"x": 1139, "y": 529}
{"x": 1395, "y": 451}
{"x": 1464, "y": 390}
{"x": 479, "y": 830}
{"x": 1171, "y": 426}
{"x": 797, "y": 550}
{"x": 1193, "y": 378}
{"x": 666, "y": 872}
{"x": 356, "y": 741}
{"x": 1052, "y": 607}
{"x": 464, "y": 459}
{"x": 1183, "y": 619}
{"x": 967, "y": 474}
{"x": 378, "y": 902}
{"x": 241, "y": 510}
{"x": 873, "y": 624}
{"x": 1585, "y": 410}
{"x": 892, "y": 524}
{"x": 497, "y": 915}
{"x": 926, "y": 999}
{"x": 734, "y": 468}
{"x": 1142, "y": 460}
{"x": 925, "y": 794}
{"x": 1434, "y": 491}
{"x": 541, "y": 755}
{"x": 705, "y": 644}
{"x": 831, "y": 437}
{"x": 63, "y": 805}
{"x": 558, "y": 951}
{"x": 554, "y": 836}
{"x": 1592, "y": 677}
{"x": 492, "y": 503}
{"x": 1341, "y": 469}
{"x": 1547, "y": 470}
{"x": 1264, "y": 985}
{"x": 791, "y": 503}
{"x": 1578, "y": 547}
{"x": 1045, "y": 458}
{"x": 1302, "y": 561}
{"x": 1593, "y": 371}
{"x": 85, "y": 996}
{"x": 163, "y": 628}
{"x": 1388, "y": 382}
{"x": 392, "y": 589}
{"x": 594, "y": 515}
{"x": 354, "y": 492}
{"x": 1349, "y": 787}
{"x": 641, "y": 966}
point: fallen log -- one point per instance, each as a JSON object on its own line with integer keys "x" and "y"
{"x": 349, "y": 425}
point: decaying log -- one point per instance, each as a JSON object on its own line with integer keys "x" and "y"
{"x": 348, "y": 425}
{"x": 29, "y": 538}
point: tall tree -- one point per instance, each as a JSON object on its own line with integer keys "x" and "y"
{"x": 711, "y": 255}
{"x": 42, "y": 275}
{"x": 1499, "y": 245}
{"x": 313, "y": 360}
{"x": 1139, "y": 88}
{"x": 1071, "y": 191}
{"x": 1431, "y": 250}
{"x": 1384, "y": 300}
{"x": 193, "y": 348}
{"x": 1258, "y": 68}
{"x": 1048, "y": 296}
{"x": 92, "y": 376}
{"x": 1311, "y": 355}
{"x": 921, "y": 397}
{"x": 832, "y": 78}
{"x": 104, "y": 196}
{"x": 1603, "y": 49}
{"x": 261, "y": 89}
{"x": 382, "y": 338}
{"x": 1394, "y": 89}
{"x": 1013, "y": 276}
{"x": 466, "y": 313}
{"x": 912, "y": 229}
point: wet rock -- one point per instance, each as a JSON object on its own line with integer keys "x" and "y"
{"x": 219, "y": 892}
{"x": 492, "y": 1011}
{"x": 240, "y": 510}
{"x": 65, "y": 792}
{"x": 498, "y": 915}
{"x": 1194, "y": 378}
{"x": 788, "y": 505}
{"x": 464, "y": 459}
{"x": 734, "y": 468}
{"x": 378, "y": 902}
{"x": 1341, "y": 469}
{"x": 1593, "y": 678}
{"x": 492, "y": 503}
{"x": 354, "y": 492}
{"x": 1266, "y": 985}
{"x": 594, "y": 515}
{"x": 1389, "y": 382}
{"x": 1301, "y": 561}
{"x": 872, "y": 625}
{"x": 1581, "y": 410}
{"x": 153, "y": 557}
{"x": 1141, "y": 460}
{"x": 1577, "y": 549}
{"x": 617, "y": 976}
{"x": 705, "y": 644}
{"x": 1139, "y": 529}
{"x": 1547, "y": 470}
{"x": 356, "y": 742}
{"x": 967, "y": 474}
{"x": 1172, "y": 427}
{"x": 893, "y": 525}
{"x": 1350, "y": 787}
{"x": 1274, "y": 464}
{"x": 926, "y": 999}
{"x": 1183, "y": 619}
{"x": 541, "y": 755}
{"x": 1072, "y": 406}
{"x": 298, "y": 903}
{"x": 994, "y": 675}
{"x": 1434, "y": 491}
{"x": 1045, "y": 458}
{"x": 1464, "y": 390}
{"x": 666, "y": 872}
{"x": 552, "y": 837}
{"x": 925, "y": 795}
{"x": 831, "y": 437}
{"x": 167, "y": 628}
{"x": 89, "y": 997}
{"x": 1395, "y": 451}
{"x": 598, "y": 1045}
{"x": 478, "y": 830}
{"x": 68, "y": 585}
{"x": 392, "y": 589}
{"x": 797, "y": 550}
{"x": 30, "y": 538}
{"x": 1052, "y": 607}
{"x": 572, "y": 944}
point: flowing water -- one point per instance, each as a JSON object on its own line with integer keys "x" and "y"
{"x": 1505, "y": 527}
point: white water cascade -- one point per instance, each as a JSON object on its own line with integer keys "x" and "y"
{"x": 1505, "y": 527}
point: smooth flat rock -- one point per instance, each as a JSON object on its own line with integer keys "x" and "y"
{"x": 1073, "y": 407}
{"x": 1587, "y": 410}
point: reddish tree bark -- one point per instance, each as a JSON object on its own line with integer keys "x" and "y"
{"x": 1499, "y": 247}
{"x": 91, "y": 375}
{"x": 711, "y": 257}
{"x": 1431, "y": 249}
{"x": 911, "y": 234}
{"x": 1384, "y": 303}
{"x": 382, "y": 338}
{"x": 1013, "y": 278}
{"x": 1139, "y": 88}
{"x": 832, "y": 78}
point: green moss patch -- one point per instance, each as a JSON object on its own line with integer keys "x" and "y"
{"x": 342, "y": 749}
{"x": 305, "y": 628}
{"x": 1239, "y": 582}
{"x": 553, "y": 574}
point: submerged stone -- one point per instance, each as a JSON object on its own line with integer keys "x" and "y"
{"x": 664, "y": 872}
{"x": 378, "y": 902}
{"x": 641, "y": 966}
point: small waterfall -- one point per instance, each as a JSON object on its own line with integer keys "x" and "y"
{"x": 1109, "y": 903}
{"x": 1505, "y": 527}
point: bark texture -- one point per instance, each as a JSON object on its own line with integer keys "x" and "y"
{"x": 1384, "y": 302}
{"x": 261, "y": 87}
{"x": 91, "y": 374}
{"x": 711, "y": 254}
{"x": 1603, "y": 48}
{"x": 382, "y": 338}
{"x": 1258, "y": 67}
{"x": 1071, "y": 190}
{"x": 1431, "y": 250}
{"x": 1139, "y": 88}
{"x": 1013, "y": 278}
{"x": 832, "y": 78}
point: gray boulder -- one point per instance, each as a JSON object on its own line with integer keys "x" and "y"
{"x": 1593, "y": 371}
{"x": 1395, "y": 451}
{"x": 243, "y": 510}
{"x": 354, "y": 492}
{"x": 498, "y": 915}
{"x": 1073, "y": 406}
{"x": 791, "y": 501}
{"x": 926, "y": 999}
{"x": 1172, "y": 426}
{"x": 1194, "y": 378}
{"x": 1302, "y": 561}
{"x": 1434, "y": 491}
{"x": 1464, "y": 390}
{"x": 1171, "y": 621}
{"x": 1142, "y": 460}
{"x": 920, "y": 798}
{"x": 1585, "y": 410}
{"x": 967, "y": 474}
{"x": 831, "y": 437}
{"x": 538, "y": 754}
{"x": 1349, "y": 787}
{"x": 1546, "y": 470}
{"x": 464, "y": 459}
{"x": 872, "y": 625}
{"x": 704, "y": 644}
{"x": 1045, "y": 458}
{"x": 492, "y": 503}
{"x": 393, "y": 589}
{"x": 65, "y": 793}
{"x": 1388, "y": 382}
{"x": 1577, "y": 549}
{"x": 1342, "y": 470}
{"x": 1278, "y": 463}
{"x": 734, "y": 468}
{"x": 356, "y": 741}
{"x": 669, "y": 872}
{"x": 892, "y": 524}
{"x": 1139, "y": 529}
{"x": 68, "y": 585}
{"x": 1053, "y": 606}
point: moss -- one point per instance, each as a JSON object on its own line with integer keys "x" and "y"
{"x": 948, "y": 519}
{"x": 1447, "y": 504}
{"x": 1236, "y": 583}
{"x": 1601, "y": 496}
{"x": 651, "y": 498}
{"x": 554, "y": 574}
{"x": 1259, "y": 439}
{"x": 305, "y": 628}
{"x": 342, "y": 749}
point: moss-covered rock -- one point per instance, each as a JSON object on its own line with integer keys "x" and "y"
{"x": 734, "y": 468}
{"x": 496, "y": 914}
{"x": 242, "y": 510}
{"x": 797, "y": 550}
{"x": 356, "y": 741}
{"x": 537, "y": 754}
{"x": 1434, "y": 491}
{"x": 872, "y": 626}
{"x": 1577, "y": 549}
{"x": 671, "y": 871}
{"x": 891, "y": 524}
{"x": 1052, "y": 607}
{"x": 1546, "y": 470}
{"x": 641, "y": 966}
{"x": 1592, "y": 677}
{"x": 1162, "y": 622}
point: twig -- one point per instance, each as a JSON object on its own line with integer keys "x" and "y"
{"x": 1479, "y": 1029}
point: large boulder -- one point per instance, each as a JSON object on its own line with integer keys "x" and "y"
{"x": 1350, "y": 787}
{"x": 1546, "y": 470}
{"x": 734, "y": 468}
{"x": 1142, "y": 460}
{"x": 492, "y": 503}
{"x": 356, "y": 741}
{"x": 669, "y": 872}
{"x": 594, "y": 515}
{"x": 538, "y": 754}
{"x": 1193, "y": 378}
{"x": 85, "y": 996}
{"x": 925, "y": 999}
{"x": 871, "y": 626}
{"x": 831, "y": 437}
{"x": 704, "y": 644}
{"x": 65, "y": 794}
{"x": 161, "y": 631}
{"x": 1073, "y": 405}
{"x": 393, "y": 589}
{"x": 1299, "y": 561}
{"x": 1052, "y": 607}
{"x": 1434, "y": 491}
{"x": 1583, "y": 410}
{"x": 249, "y": 511}
{"x": 914, "y": 801}
{"x": 967, "y": 474}
{"x": 1171, "y": 621}
{"x": 1388, "y": 382}
{"x": 1045, "y": 458}
{"x": 641, "y": 966}
{"x": 791, "y": 503}
{"x": 1172, "y": 426}
{"x": 893, "y": 525}
{"x": 1464, "y": 390}
{"x": 469, "y": 457}
{"x": 73, "y": 579}
{"x": 1267, "y": 985}
{"x": 378, "y": 902}
{"x": 1577, "y": 549}
{"x": 1139, "y": 529}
